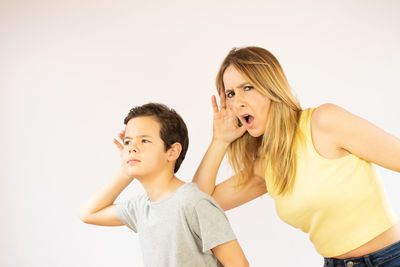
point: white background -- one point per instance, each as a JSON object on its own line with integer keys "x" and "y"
{"x": 71, "y": 70}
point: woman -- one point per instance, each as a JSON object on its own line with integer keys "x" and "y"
{"x": 315, "y": 163}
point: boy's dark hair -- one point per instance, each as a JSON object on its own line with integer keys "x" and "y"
{"x": 172, "y": 127}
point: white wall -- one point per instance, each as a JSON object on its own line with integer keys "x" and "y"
{"x": 71, "y": 70}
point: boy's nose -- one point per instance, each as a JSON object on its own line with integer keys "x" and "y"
{"x": 133, "y": 149}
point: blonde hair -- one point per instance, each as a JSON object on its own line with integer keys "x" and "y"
{"x": 276, "y": 146}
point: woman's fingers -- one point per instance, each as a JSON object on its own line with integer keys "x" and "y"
{"x": 214, "y": 104}
{"x": 222, "y": 100}
{"x": 240, "y": 131}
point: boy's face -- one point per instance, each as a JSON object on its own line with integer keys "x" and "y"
{"x": 144, "y": 154}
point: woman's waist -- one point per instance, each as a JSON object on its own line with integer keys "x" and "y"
{"x": 385, "y": 239}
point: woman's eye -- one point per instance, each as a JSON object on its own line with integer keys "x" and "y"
{"x": 248, "y": 88}
{"x": 127, "y": 143}
{"x": 145, "y": 141}
{"x": 230, "y": 94}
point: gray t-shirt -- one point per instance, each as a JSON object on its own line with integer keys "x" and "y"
{"x": 178, "y": 231}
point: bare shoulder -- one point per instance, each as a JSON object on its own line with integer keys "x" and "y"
{"x": 336, "y": 132}
{"x": 327, "y": 122}
{"x": 326, "y": 116}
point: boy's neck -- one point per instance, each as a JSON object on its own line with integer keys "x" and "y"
{"x": 161, "y": 186}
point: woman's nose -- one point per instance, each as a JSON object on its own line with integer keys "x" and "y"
{"x": 239, "y": 101}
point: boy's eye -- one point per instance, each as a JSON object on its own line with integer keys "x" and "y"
{"x": 145, "y": 141}
{"x": 230, "y": 94}
{"x": 127, "y": 142}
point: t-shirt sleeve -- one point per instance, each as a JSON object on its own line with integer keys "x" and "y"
{"x": 127, "y": 212}
{"x": 210, "y": 225}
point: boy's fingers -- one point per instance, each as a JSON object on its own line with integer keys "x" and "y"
{"x": 121, "y": 135}
{"x": 118, "y": 144}
{"x": 214, "y": 104}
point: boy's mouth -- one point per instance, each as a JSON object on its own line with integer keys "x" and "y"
{"x": 132, "y": 161}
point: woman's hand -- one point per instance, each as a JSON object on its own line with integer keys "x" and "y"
{"x": 225, "y": 125}
{"x": 225, "y": 131}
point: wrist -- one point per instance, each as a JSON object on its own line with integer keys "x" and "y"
{"x": 122, "y": 175}
{"x": 221, "y": 144}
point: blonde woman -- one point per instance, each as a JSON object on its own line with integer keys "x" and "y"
{"x": 315, "y": 163}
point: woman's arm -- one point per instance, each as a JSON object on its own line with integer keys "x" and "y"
{"x": 225, "y": 131}
{"x": 99, "y": 209}
{"x": 225, "y": 193}
{"x": 352, "y": 134}
{"x": 229, "y": 197}
{"x": 206, "y": 173}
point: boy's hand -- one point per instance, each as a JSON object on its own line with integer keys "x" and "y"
{"x": 99, "y": 209}
{"x": 119, "y": 144}
{"x": 226, "y": 125}
{"x": 121, "y": 148}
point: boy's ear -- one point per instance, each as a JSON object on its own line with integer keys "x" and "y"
{"x": 174, "y": 151}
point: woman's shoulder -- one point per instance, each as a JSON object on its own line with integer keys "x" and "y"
{"x": 327, "y": 120}
{"x": 326, "y": 116}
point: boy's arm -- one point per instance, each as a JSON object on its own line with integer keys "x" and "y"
{"x": 230, "y": 254}
{"x": 211, "y": 226}
{"x": 99, "y": 209}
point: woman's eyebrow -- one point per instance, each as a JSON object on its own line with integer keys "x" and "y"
{"x": 240, "y": 86}
{"x": 243, "y": 84}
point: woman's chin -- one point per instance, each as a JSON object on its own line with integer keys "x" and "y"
{"x": 255, "y": 132}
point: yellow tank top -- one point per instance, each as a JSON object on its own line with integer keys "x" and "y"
{"x": 341, "y": 203}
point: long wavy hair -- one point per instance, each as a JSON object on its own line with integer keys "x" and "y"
{"x": 276, "y": 146}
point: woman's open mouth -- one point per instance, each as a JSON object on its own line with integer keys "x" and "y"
{"x": 248, "y": 120}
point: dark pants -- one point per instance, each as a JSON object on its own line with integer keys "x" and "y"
{"x": 386, "y": 257}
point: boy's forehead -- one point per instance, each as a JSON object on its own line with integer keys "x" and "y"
{"x": 145, "y": 125}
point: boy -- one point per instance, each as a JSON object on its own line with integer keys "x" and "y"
{"x": 178, "y": 225}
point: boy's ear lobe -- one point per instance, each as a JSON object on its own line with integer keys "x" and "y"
{"x": 174, "y": 151}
